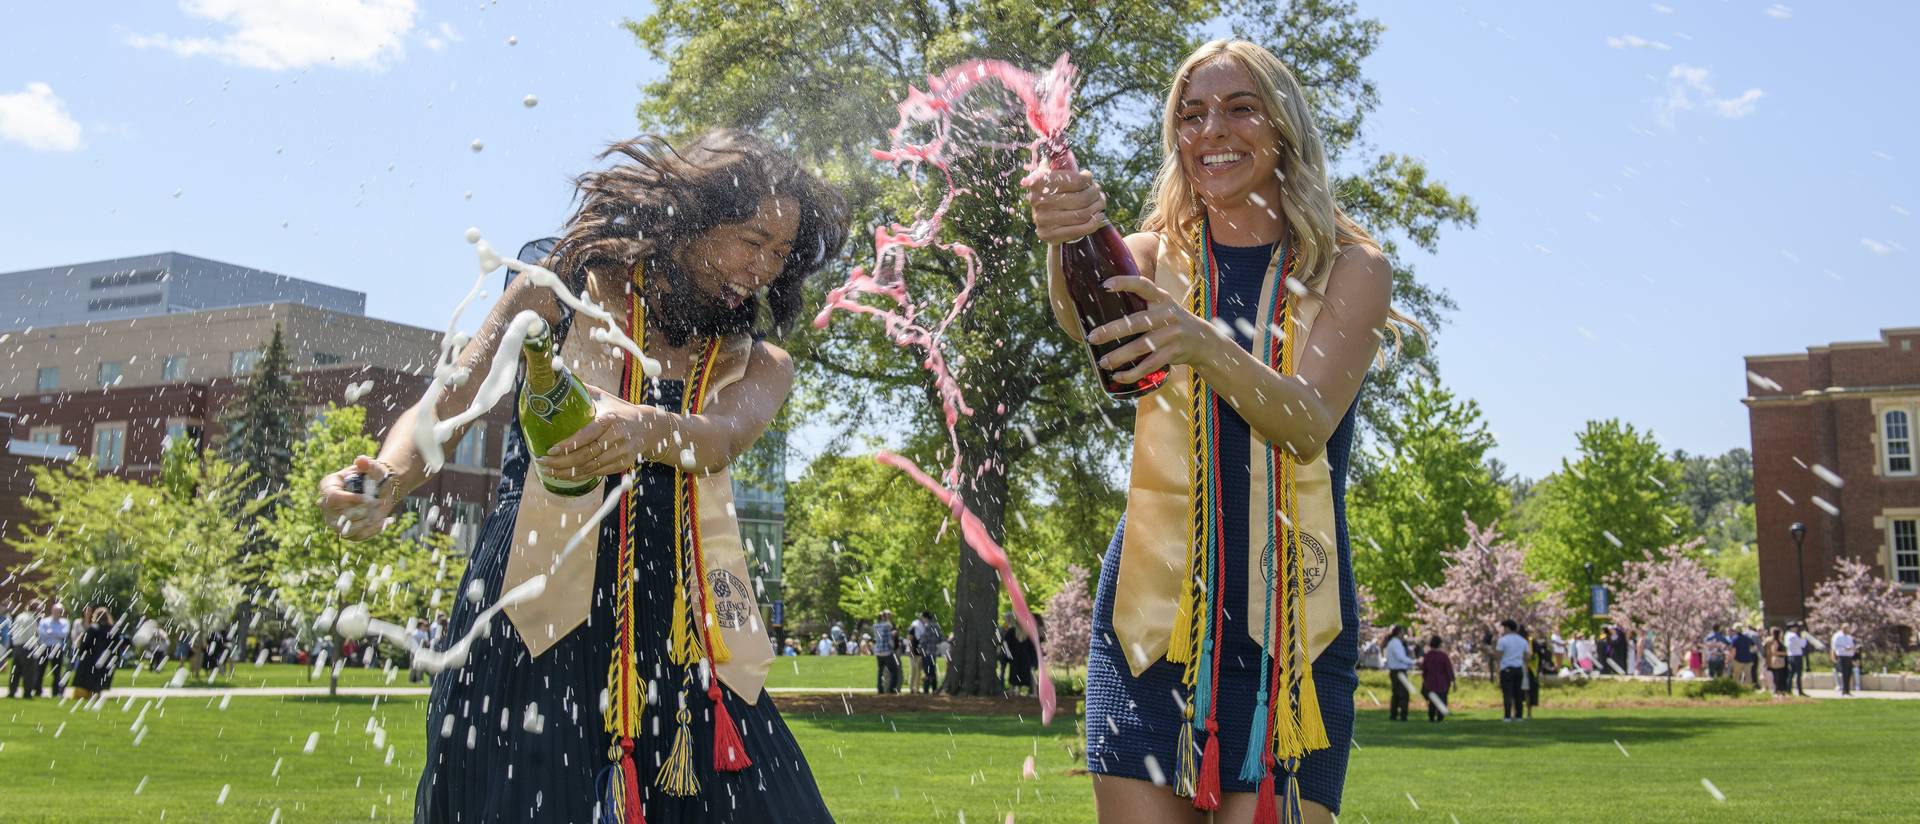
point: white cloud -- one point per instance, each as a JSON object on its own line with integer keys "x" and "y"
{"x": 447, "y": 34}
{"x": 1634, "y": 41}
{"x": 1876, "y": 247}
{"x": 1689, "y": 88}
{"x": 1778, "y": 12}
{"x": 293, "y": 34}
{"x": 38, "y": 119}
{"x": 1734, "y": 108}
{"x": 1662, "y": 9}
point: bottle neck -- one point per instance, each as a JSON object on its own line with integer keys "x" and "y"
{"x": 540, "y": 374}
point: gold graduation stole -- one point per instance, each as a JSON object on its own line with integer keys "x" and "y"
{"x": 1168, "y": 600}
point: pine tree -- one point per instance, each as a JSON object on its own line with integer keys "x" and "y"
{"x": 260, "y": 426}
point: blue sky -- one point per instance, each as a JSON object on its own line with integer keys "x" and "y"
{"x": 1662, "y": 188}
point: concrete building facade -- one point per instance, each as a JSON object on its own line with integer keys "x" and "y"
{"x": 150, "y": 285}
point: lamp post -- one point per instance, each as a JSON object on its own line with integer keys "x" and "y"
{"x": 1591, "y": 617}
{"x": 1799, "y": 533}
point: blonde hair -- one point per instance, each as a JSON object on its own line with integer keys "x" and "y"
{"x": 1318, "y": 226}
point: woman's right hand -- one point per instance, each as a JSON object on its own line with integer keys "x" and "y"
{"x": 1067, "y": 206}
{"x": 356, "y": 515}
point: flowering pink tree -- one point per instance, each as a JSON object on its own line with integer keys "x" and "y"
{"x": 1069, "y": 620}
{"x": 1672, "y": 599}
{"x": 1873, "y": 609}
{"x": 1485, "y": 583}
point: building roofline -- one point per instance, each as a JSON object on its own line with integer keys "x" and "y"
{"x": 1886, "y": 340}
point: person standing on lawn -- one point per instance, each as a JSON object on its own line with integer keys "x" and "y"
{"x": 886, "y": 655}
{"x": 24, "y": 640}
{"x": 1512, "y": 650}
{"x": 1775, "y": 653}
{"x": 1844, "y": 649}
{"x": 929, "y": 640}
{"x": 1746, "y": 661}
{"x": 1436, "y": 677}
{"x": 1399, "y": 662}
{"x": 1797, "y": 656}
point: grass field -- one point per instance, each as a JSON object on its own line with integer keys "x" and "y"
{"x": 805, "y": 671}
{"x": 205, "y": 759}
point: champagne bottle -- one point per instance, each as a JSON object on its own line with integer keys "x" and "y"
{"x": 1086, "y": 264}
{"x": 553, "y": 406}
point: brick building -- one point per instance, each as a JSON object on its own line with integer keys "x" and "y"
{"x": 132, "y": 373}
{"x": 1852, "y": 410}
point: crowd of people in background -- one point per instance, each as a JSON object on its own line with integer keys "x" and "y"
{"x": 1519, "y": 660}
{"x": 923, "y": 644}
{"x": 43, "y": 652}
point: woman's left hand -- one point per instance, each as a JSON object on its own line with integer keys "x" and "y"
{"x": 613, "y": 443}
{"x": 1171, "y": 333}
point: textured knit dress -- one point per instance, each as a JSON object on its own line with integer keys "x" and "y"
{"x": 1133, "y": 723}
{"x": 487, "y": 763}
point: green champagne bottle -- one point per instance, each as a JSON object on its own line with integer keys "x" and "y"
{"x": 553, "y": 406}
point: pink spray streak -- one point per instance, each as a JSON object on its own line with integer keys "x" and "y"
{"x": 1049, "y": 106}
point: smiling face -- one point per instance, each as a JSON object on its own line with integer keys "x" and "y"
{"x": 732, "y": 261}
{"x": 1229, "y": 148}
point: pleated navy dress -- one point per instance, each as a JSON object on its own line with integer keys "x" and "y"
{"x": 486, "y": 764}
{"x": 1133, "y": 723}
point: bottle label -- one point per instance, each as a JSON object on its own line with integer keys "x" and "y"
{"x": 546, "y": 404}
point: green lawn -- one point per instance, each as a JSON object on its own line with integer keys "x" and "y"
{"x": 805, "y": 671}
{"x": 1773, "y": 762}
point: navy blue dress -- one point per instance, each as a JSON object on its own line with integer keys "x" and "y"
{"x": 1130, "y": 719}
{"x": 484, "y": 764}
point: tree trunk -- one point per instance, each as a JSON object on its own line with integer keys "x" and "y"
{"x": 976, "y": 598}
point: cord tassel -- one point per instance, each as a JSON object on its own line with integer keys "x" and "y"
{"x": 1265, "y": 810}
{"x": 1202, "y": 692}
{"x": 729, "y": 752}
{"x": 1180, "y": 643}
{"x": 676, "y": 775}
{"x": 1185, "y": 771}
{"x": 1313, "y": 728}
{"x": 1206, "y": 796}
{"x": 1253, "y": 767}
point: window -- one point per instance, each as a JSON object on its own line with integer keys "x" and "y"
{"x": 472, "y": 449}
{"x": 133, "y": 278}
{"x": 174, "y": 368}
{"x": 178, "y": 428}
{"x": 1897, "y": 441}
{"x": 244, "y": 361}
{"x": 47, "y": 435}
{"x": 109, "y": 374}
{"x": 129, "y": 301}
{"x": 47, "y": 380}
{"x": 110, "y": 445}
{"x": 1906, "y": 550}
{"x": 326, "y": 359}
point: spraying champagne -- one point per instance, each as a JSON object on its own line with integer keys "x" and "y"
{"x": 1087, "y": 264}
{"x": 553, "y": 406}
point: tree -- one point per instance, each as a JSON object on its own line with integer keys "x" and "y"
{"x": 872, "y": 536}
{"x": 90, "y": 535}
{"x": 169, "y": 550}
{"x": 1429, "y": 468}
{"x": 258, "y": 429}
{"x": 399, "y": 574}
{"x": 1871, "y": 608}
{"x": 1620, "y": 498}
{"x": 824, "y": 76}
{"x": 1714, "y": 485}
{"x": 1485, "y": 583}
{"x": 1070, "y": 619}
{"x": 1730, "y": 536}
{"x": 204, "y": 564}
{"x": 1672, "y": 598}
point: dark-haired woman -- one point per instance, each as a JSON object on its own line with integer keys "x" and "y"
{"x": 632, "y": 688}
{"x": 97, "y": 655}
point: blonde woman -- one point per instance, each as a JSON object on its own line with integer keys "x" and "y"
{"x": 1226, "y": 689}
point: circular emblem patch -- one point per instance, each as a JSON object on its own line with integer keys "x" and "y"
{"x": 730, "y": 604}
{"x": 1313, "y": 568}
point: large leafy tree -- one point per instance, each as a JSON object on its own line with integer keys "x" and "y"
{"x": 402, "y": 573}
{"x": 1429, "y": 467}
{"x": 823, "y": 76}
{"x": 1618, "y": 499}
{"x": 1713, "y": 486}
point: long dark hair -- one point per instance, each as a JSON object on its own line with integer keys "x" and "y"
{"x": 657, "y": 198}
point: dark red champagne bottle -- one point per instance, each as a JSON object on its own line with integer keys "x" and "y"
{"x": 1086, "y": 265}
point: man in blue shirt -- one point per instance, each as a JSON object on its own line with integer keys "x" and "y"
{"x": 1745, "y": 662}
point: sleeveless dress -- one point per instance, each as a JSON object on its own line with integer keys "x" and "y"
{"x": 1133, "y": 723}
{"x": 487, "y": 762}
